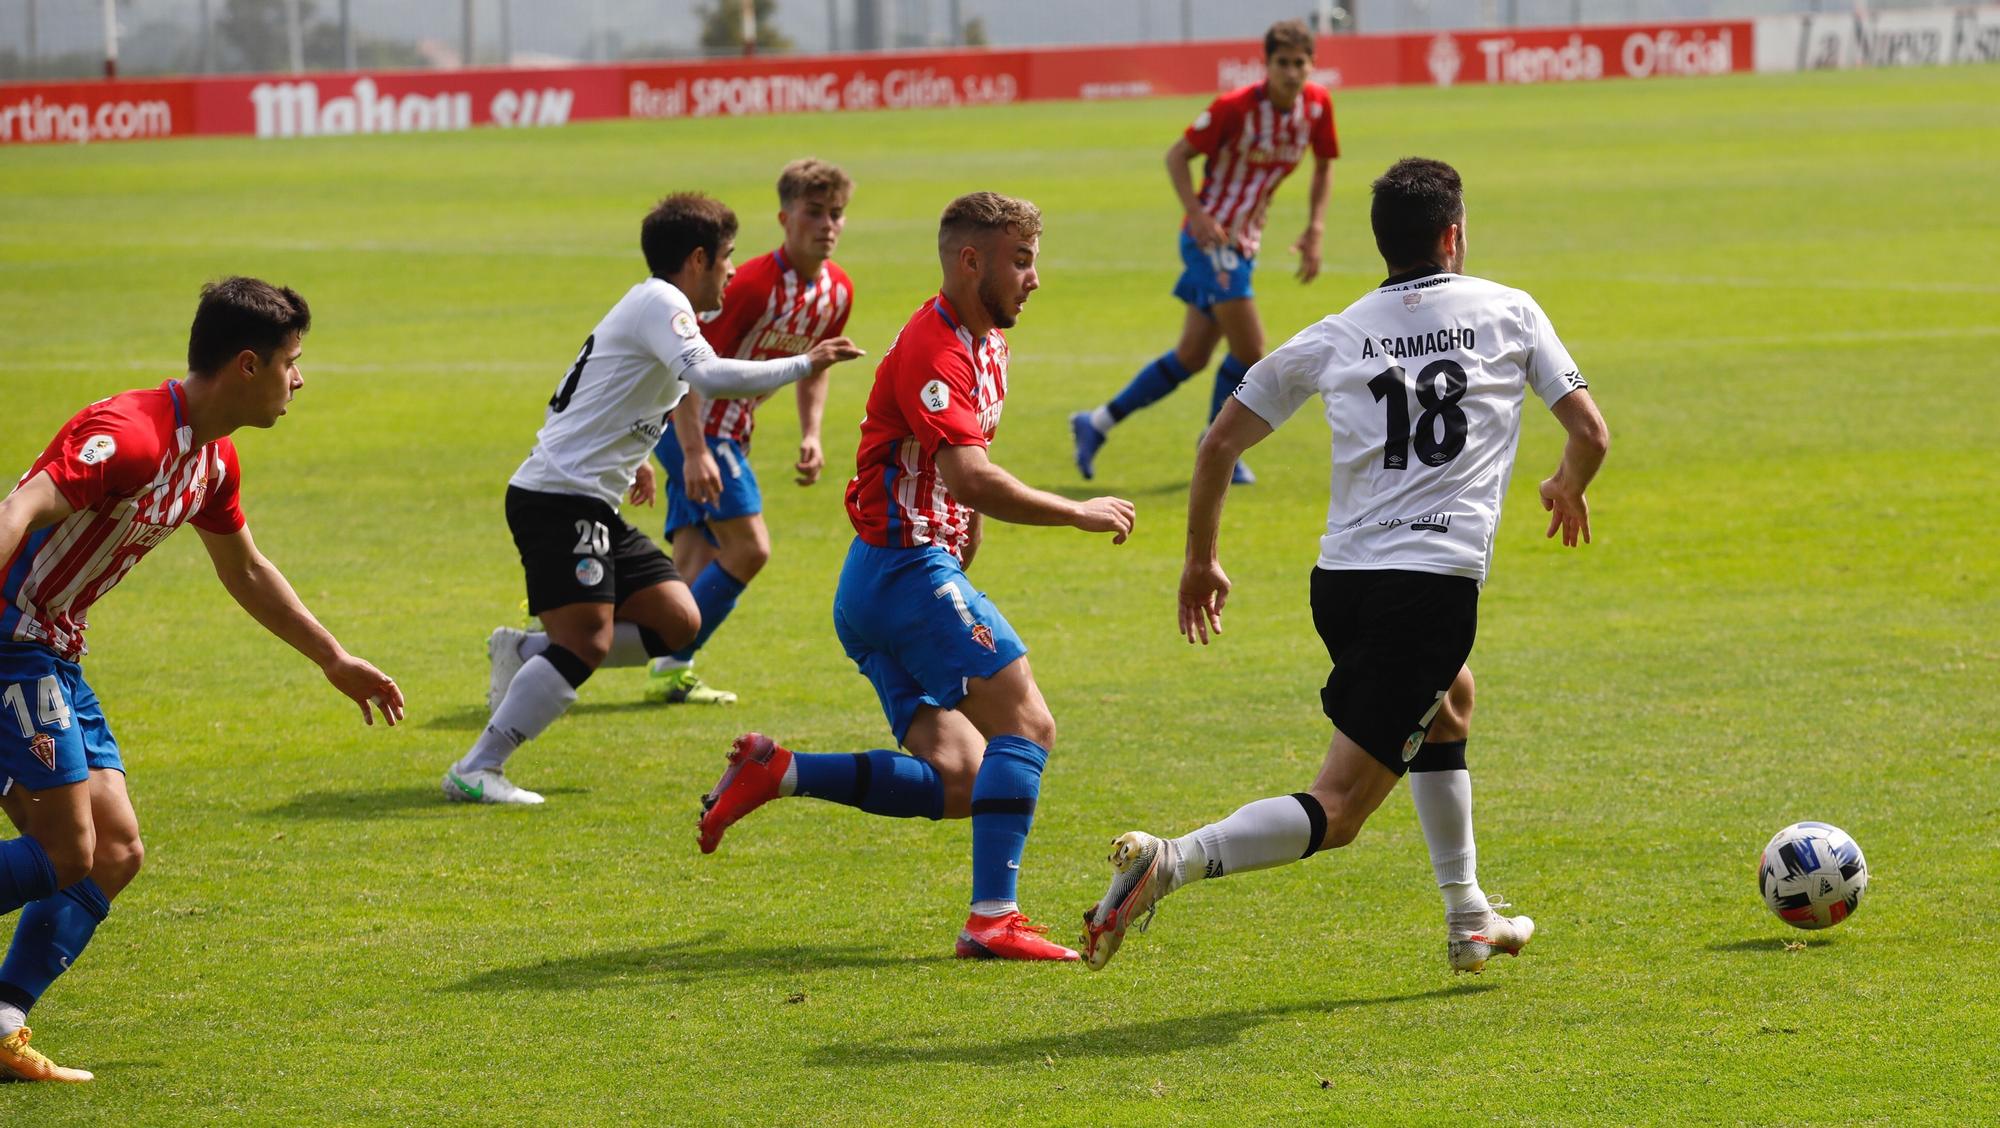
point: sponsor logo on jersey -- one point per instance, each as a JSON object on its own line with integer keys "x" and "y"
{"x": 96, "y": 449}
{"x": 936, "y": 396}
{"x": 1433, "y": 522}
{"x": 44, "y": 747}
{"x": 772, "y": 342}
{"x": 590, "y": 571}
{"x": 685, "y": 325}
{"x": 983, "y": 635}
{"x": 1412, "y": 301}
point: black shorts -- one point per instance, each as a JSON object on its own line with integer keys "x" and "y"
{"x": 578, "y": 550}
{"x": 1397, "y": 640}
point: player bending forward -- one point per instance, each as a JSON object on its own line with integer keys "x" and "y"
{"x": 1251, "y": 140}
{"x": 952, "y": 676}
{"x": 778, "y": 304}
{"x": 1423, "y": 382}
{"x": 119, "y": 477}
{"x": 606, "y": 595}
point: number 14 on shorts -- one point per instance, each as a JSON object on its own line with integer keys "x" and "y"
{"x": 50, "y": 708}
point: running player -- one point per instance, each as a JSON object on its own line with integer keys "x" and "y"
{"x": 1250, "y": 139}
{"x": 1423, "y": 381}
{"x": 952, "y": 675}
{"x": 777, "y": 305}
{"x": 118, "y": 478}
{"x": 605, "y": 593}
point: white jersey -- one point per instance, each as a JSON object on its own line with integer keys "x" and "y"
{"x": 614, "y": 402}
{"x": 1423, "y": 381}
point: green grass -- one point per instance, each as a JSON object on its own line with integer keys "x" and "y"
{"x": 1782, "y": 291}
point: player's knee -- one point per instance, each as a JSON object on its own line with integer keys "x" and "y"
{"x": 590, "y": 650}
{"x": 956, "y": 782}
{"x": 71, "y": 855}
{"x": 1194, "y": 358}
{"x": 1343, "y": 820}
{"x": 1037, "y": 724}
{"x": 116, "y": 862}
{"x": 744, "y": 561}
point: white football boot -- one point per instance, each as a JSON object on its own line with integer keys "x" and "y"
{"x": 503, "y": 650}
{"x": 485, "y": 786}
{"x": 1472, "y": 938}
{"x": 1143, "y": 870}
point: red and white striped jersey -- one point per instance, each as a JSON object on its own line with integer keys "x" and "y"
{"x": 937, "y": 386}
{"x": 1251, "y": 147}
{"x": 769, "y": 312}
{"x": 129, "y": 467}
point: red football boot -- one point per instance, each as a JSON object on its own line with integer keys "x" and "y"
{"x": 756, "y": 767}
{"x": 1008, "y": 936}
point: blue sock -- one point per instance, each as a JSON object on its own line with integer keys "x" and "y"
{"x": 1003, "y": 808}
{"x": 47, "y": 942}
{"x": 26, "y": 874}
{"x": 715, "y": 592}
{"x": 879, "y": 782}
{"x": 1227, "y": 378}
{"x": 1150, "y": 386}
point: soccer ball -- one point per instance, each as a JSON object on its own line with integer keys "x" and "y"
{"x": 1812, "y": 875}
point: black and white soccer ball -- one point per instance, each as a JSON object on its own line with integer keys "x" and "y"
{"x": 1812, "y": 875}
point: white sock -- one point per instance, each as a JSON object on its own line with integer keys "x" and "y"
{"x": 1270, "y": 832}
{"x": 534, "y": 643}
{"x": 995, "y": 908}
{"x": 627, "y": 649}
{"x": 12, "y": 1018}
{"x": 537, "y": 697}
{"x": 1444, "y": 810}
{"x": 788, "y": 784}
{"x": 1102, "y": 420}
{"x": 666, "y": 664}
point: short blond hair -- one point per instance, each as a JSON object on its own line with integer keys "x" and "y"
{"x": 810, "y": 176}
{"x": 983, "y": 213}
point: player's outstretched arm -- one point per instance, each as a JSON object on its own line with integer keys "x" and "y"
{"x": 1589, "y": 441}
{"x": 259, "y": 588}
{"x": 1204, "y": 585}
{"x": 724, "y": 378}
{"x": 34, "y": 504}
{"x": 701, "y": 478}
{"x": 975, "y": 481}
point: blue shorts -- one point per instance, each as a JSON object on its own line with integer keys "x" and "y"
{"x": 52, "y": 731}
{"x": 740, "y": 496}
{"x": 917, "y": 628}
{"x": 1220, "y": 275}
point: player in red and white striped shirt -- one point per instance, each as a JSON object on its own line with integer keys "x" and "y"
{"x": 117, "y": 480}
{"x": 1251, "y": 139}
{"x": 777, "y": 305}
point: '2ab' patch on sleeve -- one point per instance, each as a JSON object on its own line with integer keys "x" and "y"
{"x": 685, "y": 325}
{"x": 96, "y": 449}
{"x": 936, "y": 396}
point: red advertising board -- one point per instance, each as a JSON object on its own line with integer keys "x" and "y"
{"x": 407, "y": 101}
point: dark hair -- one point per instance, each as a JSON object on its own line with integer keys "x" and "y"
{"x": 982, "y": 213}
{"x": 679, "y": 224}
{"x": 1288, "y": 33}
{"x": 810, "y": 176}
{"x": 1414, "y": 202}
{"x": 240, "y": 313}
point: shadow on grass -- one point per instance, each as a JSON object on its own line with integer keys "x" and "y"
{"x": 1138, "y": 1039}
{"x": 381, "y": 802}
{"x": 703, "y": 958}
{"x": 1765, "y": 944}
{"x": 471, "y": 718}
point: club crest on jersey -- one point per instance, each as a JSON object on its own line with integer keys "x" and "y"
{"x": 936, "y": 396}
{"x": 685, "y": 325}
{"x": 1413, "y": 745}
{"x": 44, "y": 747}
{"x": 983, "y": 635}
{"x": 1201, "y": 121}
{"x": 96, "y": 449}
{"x": 590, "y": 571}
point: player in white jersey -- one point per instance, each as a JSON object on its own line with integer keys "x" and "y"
{"x": 604, "y": 592}
{"x": 1422, "y": 383}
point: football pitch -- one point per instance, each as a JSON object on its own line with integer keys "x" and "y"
{"x": 1782, "y": 290}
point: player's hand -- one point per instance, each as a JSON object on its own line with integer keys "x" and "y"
{"x": 1568, "y": 511}
{"x": 701, "y": 477}
{"x": 365, "y": 686}
{"x": 1106, "y": 515}
{"x": 1208, "y": 234}
{"x": 812, "y": 459}
{"x": 644, "y": 487}
{"x": 1307, "y": 248}
{"x": 832, "y": 351}
{"x": 1204, "y": 589}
